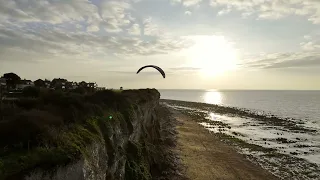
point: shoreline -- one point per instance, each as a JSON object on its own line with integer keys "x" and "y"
{"x": 206, "y": 157}
{"x": 291, "y": 123}
{"x": 284, "y": 163}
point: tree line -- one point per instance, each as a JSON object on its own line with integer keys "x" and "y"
{"x": 12, "y": 80}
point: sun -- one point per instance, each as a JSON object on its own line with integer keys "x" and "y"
{"x": 212, "y": 54}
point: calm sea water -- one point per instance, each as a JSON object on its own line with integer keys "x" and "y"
{"x": 304, "y": 105}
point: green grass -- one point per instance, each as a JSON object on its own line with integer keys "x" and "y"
{"x": 20, "y": 162}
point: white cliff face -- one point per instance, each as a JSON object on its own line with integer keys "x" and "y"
{"x": 96, "y": 164}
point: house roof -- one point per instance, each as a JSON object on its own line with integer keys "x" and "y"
{"x": 25, "y": 81}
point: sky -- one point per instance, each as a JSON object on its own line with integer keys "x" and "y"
{"x": 200, "y": 44}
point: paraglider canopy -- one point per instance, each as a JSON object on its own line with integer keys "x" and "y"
{"x": 153, "y": 66}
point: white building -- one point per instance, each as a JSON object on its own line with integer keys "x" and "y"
{"x": 3, "y": 82}
{"x": 24, "y": 83}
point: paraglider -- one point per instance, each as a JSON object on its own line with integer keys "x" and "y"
{"x": 156, "y": 67}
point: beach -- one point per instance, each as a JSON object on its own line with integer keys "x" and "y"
{"x": 216, "y": 142}
{"x": 207, "y": 158}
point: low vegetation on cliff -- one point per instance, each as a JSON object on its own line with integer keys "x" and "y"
{"x": 53, "y": 128}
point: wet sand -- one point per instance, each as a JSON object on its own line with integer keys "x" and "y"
{"x": 207, "y": 158}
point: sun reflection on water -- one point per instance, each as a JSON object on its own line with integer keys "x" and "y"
{"x": 213, "y": 97}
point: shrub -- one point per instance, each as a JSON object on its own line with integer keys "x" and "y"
{"x": 27, "y": 103}
{"x": 31, "y": 92}
{"x": 27, "y": 127}
{"x": 79, "y": 90}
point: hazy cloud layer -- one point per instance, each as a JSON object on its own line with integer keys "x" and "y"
{"x": 56, "y": 42}
{"x": 275, "y": 9}
{"x": 78, "y": 28}
{"x": 96, "y": 28}
{"x": 264, "y": 9}
{"x": 285, "y": 60}
{"x": 185, "y": 69}
{"x": 168, "y": 71}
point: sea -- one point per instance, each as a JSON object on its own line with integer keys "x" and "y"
{"x": 303, "y": 105}
{"x": 299, "y": 150}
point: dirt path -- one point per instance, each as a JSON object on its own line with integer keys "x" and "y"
{"x": 207, "y": 158}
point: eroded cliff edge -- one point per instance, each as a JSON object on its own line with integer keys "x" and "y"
{"x": 106, "y": 135}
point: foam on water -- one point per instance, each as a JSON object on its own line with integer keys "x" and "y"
{"x": 306, "y": 145}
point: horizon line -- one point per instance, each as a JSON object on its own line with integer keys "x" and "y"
{"x": 240, "y": 89}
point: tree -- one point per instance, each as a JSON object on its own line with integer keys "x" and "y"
{"x": 31, "y": 92}
{"x": 57, "y": 83}
{"x": 12, "y": 80}
{"x": 69, "y": 85}
{"x": 47, "y": 82}
{"x": 39, "y": 83}
{"x": 83, "y": 84}
{"x": 79, "y": 90}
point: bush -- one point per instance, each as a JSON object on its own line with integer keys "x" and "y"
{"x": 28, "y": 119}
{"x": 27, "y": 127}
{"x": 79, "y": 90}
{"x": 27, "y": 103}
{"x": 7, "y": 110}
{"x": 31, "y": 92}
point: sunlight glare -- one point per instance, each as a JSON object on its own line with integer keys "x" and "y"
{"x": 212, "y": 54}
{"x": 213, "y": 97}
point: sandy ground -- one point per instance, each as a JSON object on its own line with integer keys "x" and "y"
{"x": 207, "y": 158}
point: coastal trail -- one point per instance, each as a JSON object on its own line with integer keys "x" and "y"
{"x": 205, "y": 157}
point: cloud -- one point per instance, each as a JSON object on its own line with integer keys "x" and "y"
{"x": 37, "y": 31}
{"x": 307, "y": 37}
{"x": 309, "y": 61}
{"x": 150, "y": 28}
{"x": 188, "y": 13}
{"x": 111, "y": 15}
{"x": 134, "y": 29}
{"x": 187, "y": 3}
{"x": 93, "y": 28}
{"x": 185, "y": 69}
{"x": 224, "y": 11}
{"x": 311, "y": 43}
{"x": 47, "y": 11}
{"x": 56, "y": 42}
{"x": 285, "y": 60}
{"x": 115, "y": 15}
{"x": 273, "y": 9}
{"x": 310, "y": 46}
